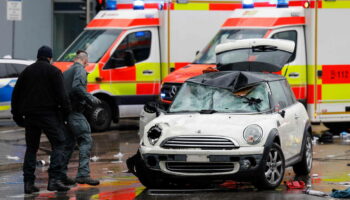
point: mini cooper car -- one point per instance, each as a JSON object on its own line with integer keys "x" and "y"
{"x": 227, "y": 125}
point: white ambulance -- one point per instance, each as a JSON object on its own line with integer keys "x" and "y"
{"x": 130, "y": 51}
{"x": 319, "y": 71}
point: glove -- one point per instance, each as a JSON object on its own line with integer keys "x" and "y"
{"x": 96, "y": 101}
{"x": 19, "y": 120}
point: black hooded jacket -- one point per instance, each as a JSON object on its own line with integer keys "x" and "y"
{"x": 39, "y": 89}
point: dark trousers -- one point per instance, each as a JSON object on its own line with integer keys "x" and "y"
{"x": 51, "y": 125}
{"x": 78, "y": 132}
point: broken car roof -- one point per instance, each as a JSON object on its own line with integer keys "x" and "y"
{"x": 234, "y": 80}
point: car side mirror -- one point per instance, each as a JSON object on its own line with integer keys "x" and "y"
{"x": 282, "y": 113}
{"x": 154, "y": 107}
{"x": 197, "y": 52}
{"x": 129, "y": 58}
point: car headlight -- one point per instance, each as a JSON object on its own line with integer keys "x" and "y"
{"x": 154, "y": 134}
{"x": 253, "y": 134}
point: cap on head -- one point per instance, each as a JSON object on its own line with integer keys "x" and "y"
{"x": 44, "y": 51}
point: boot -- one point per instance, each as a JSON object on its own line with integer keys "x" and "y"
{"x": 87, "y": 180}
{"x": 56, "y": 185}
{"x": 29, "y": 187}
{"x": 68, "y": 181}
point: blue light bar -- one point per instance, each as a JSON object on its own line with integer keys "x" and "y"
{"x": 111, "y": 4}
{"x": 248, "y": 3}
{"x": 282, "y": 3}
{"x": 139, "y": 5}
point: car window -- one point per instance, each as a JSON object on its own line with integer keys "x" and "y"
{"x": 138, "y": 42}
{"x": 3, "y": 71}
{"x": 288, "y": 35}
{"x": 19, "y": 68}
{"x": 289, "y": 93}
{"x": 11, "y": 72}
{"x": 280, "y": 100}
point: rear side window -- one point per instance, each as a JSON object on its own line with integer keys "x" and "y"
{"x": 11, "y": 70}
{"x": 289, "y": 93}
{"x": 279, "y": 97}
{"x": 288, "y": 35}
{"x": 138, "y": 42}
{"x": 3, "y": 71}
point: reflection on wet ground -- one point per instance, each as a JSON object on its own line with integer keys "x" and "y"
{"x": 112, "y": 148}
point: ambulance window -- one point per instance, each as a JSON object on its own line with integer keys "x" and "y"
{"x": 138, "y": 42}
{"x": 279, "y": 97}
{"x": 288, "y": 35}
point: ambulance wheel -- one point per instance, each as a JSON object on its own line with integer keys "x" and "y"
{"x": 100, "y": 117}
{"x": 337, "y": 128}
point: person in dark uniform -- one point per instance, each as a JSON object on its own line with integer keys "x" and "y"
{"x": 75, "y": 81}
{"x": 38, "y": 103}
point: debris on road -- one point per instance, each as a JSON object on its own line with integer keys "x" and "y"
{"x": 341, "y": 193}
{"x": 94, "y": 158}
{"x": 12, "y": 157}
{"x": 295, "y": 184}
{"x": 315, "y": 193}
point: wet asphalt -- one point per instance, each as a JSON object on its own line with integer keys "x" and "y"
{"x": 112, "y": 148}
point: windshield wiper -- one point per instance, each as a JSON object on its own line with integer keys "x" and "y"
{"x": 264, "y": 48}
{"x": 207, "y": 111}
{"x": 253, "y": 102}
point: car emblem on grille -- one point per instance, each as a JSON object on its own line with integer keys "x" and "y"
{"x": 199, "y": 131}
{"x": 173, "y": 91}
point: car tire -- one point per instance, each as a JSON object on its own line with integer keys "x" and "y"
{"x": 100, "y": 117}
{"x": 272, "y": 169}
{"x": 304, "y": 166}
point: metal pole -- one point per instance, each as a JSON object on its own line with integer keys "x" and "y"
{"x": 87, "y": 11}
{"x": 13, "y": 39}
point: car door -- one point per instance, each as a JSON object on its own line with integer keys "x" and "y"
{"x": 8, "y": 78}
{"x": 287, "y": 123}
{"x": 139, "y": 83}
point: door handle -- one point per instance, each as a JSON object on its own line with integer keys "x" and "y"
{"x": 147, "y": 72}
{"x": 294, "y": 75}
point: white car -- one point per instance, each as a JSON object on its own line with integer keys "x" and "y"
{"x": 9, "y": 72}
{"x": 228, "y": 125}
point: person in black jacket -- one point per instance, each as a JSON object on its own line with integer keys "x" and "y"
{"x": 38, "y": 103}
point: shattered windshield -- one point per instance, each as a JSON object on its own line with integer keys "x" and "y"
{"x": 207, "y": 56}
{"x": 194, "y": 97}
{"x": 94, "y": 42}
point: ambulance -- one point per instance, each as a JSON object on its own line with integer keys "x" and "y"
{"x": 131, "y": 51}
{"x": 318, "y": 72}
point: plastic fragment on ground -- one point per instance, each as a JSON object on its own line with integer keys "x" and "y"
{"x": 94, "y": 158}
{"x": 12, "y": 157}
{"x": 315, "y": 193}
{"x": 295, "y": 184}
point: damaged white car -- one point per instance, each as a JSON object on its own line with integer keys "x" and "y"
{"x": 228, "y": 125}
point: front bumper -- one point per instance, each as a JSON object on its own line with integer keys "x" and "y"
{"x": 198, "y": 163}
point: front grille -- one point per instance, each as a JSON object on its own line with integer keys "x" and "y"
{"x": 194, "y": 167}
{"x": 205, "y": 143}
{"x": 169, "y": 91}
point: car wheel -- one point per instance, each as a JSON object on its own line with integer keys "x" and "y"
{"x": 100, "y": 117}
{"x": 305, "y": 165}
{"x": 272, "y": 168}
